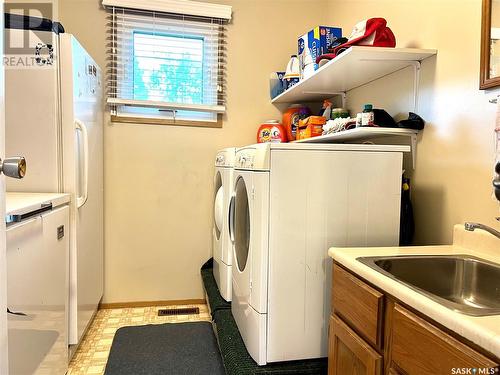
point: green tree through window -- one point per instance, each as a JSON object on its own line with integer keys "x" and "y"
{"x": 168, "y": 68}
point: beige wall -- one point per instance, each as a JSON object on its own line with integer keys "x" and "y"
{"x": 452, "y": 181}
{"x": 495, "y": 13}
{"x": 158, "y": 179}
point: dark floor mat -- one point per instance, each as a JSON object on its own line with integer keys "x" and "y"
{"x": 171, "y": 348}
{"x": 237, "y": 361}
{"x": 216, "y": 302}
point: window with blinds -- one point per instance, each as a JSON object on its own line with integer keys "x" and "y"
{"x": 165, "y": 66}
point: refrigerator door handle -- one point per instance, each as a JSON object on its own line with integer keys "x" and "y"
{"x": 80, "y": 200}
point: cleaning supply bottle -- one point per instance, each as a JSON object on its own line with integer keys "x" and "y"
{"x": 407, "y": 224}
{"x": 326, "y": 110}
{"x": 292, "y": 73}
{"x": 367, "y": 118}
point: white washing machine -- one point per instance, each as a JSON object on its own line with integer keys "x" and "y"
{"x": 221, "y": 242}
{"x": 291, "y": 203}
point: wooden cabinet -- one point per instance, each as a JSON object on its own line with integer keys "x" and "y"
{"x": 358, "y": 304}
{"x": 418, "y": 347}
{"x": 349, "y": 353}
{"x": 371, "y": 333}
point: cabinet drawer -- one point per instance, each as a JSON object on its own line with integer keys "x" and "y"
{"x": 358, "y": 304}
{"x": 419, "y": 348}
{"x": 349, "y": 353}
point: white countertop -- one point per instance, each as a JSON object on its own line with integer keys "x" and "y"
{"x": 483, "y": 331}
{"x": 17, "y": 203}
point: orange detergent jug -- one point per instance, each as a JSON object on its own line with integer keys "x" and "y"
{"x": 271, "y": 131}
{"x": 291, "y": 119}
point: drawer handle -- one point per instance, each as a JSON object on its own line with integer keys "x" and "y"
{"x": 17, "y": 218}
{"x": 18, "y": 313}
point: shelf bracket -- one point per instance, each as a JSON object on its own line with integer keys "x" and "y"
{"x": 416, "y": 83}
{"x": 413, "y": 139}
{"x": 344, "y": 99}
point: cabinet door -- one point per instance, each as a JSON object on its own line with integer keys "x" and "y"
{"x": 417, "y": 347}
{"x": 349, "y": 353}
{"x": 37, "y": 259}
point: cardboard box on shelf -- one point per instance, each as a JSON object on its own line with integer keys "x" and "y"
{"x": 315, "y": 43}
{"x": 310, "y": 127}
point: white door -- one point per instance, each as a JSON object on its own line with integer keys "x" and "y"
{"x": 250, "y": 232}
{"x": 3, "y": 262}
{"x": 249, "y": 223}
{"x": 218, "y": 216}
{"x": 227, "y": 185}
{"x": 241, "y": 228}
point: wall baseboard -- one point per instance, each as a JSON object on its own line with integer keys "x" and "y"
{"x": 122, "y": 305}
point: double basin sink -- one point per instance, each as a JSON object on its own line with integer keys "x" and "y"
{"x": 462, "y": 283}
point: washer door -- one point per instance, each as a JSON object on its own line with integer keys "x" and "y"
{"x": 241, "y": 222}
{"x": 218, "y": 205}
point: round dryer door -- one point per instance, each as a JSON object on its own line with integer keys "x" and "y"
{"x": 218, "y": 205}
{"x": 241, "y": 224}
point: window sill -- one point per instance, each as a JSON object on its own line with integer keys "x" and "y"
{"x": 169, "y": 122}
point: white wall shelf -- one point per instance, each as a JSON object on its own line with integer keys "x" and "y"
{"x": 355, "y": 67}
{"x": 367, "y": 133}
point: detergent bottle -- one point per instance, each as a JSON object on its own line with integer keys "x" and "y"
{"x": 291, "y": 119}
{"x": 271, "y": 131}
{"x": 292, "y": 73}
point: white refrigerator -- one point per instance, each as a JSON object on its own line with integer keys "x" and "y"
{"x": 54, "y": 118}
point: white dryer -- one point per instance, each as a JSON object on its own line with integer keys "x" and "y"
{"x": 221, "y": 242}
{"x": 291, "y": 203}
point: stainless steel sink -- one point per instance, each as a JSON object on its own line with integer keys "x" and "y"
{"x": 460, "y": 282}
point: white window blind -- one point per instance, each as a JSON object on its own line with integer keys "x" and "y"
{"x": 165, "y": 65}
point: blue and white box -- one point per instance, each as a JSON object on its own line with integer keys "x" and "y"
{"x": 316, "y": 43}
{"x": 276, "y": 84}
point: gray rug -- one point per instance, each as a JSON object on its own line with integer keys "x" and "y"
{"x": 166, "y": 349}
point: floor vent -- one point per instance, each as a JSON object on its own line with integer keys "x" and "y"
{"x": 180, "y": 311}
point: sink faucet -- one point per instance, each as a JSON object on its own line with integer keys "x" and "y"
{"x": 471, "y": 226}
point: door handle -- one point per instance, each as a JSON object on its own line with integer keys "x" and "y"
{"x": 231, "y": 218}
{"x": 80, "y": 200}
{"x": 19, "y": 313}
{"x": 14, "y": 167}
